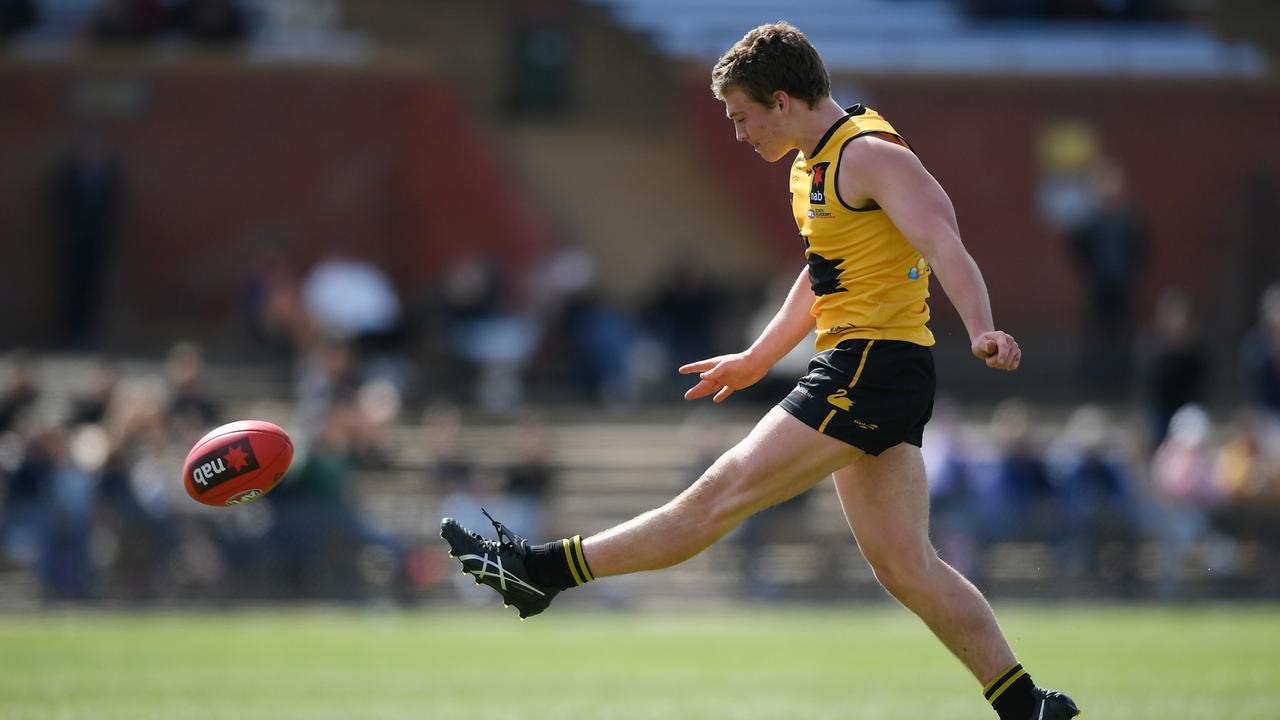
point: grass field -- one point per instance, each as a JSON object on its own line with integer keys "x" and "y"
{"x": 860, "y": 663}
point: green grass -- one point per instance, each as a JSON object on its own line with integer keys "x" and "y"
{"x": 859, "y": 663}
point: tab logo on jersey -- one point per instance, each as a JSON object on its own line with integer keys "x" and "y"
{"x": 226, "y": 463}
{"x": 818, "y": 188}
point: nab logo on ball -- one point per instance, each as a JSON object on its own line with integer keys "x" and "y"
{"x": 226, "y": 463}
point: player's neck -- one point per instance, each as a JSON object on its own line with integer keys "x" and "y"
{"x": 815, "y": 122}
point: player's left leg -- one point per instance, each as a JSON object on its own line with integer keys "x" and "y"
{"x": 780, "y": 458}
{"x": 886, "y": 501}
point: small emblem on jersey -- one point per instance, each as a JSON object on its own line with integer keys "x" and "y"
{"x": 919, "y": 270}
{"x": 818, "y": 188}
{"x": 840, "y": 399}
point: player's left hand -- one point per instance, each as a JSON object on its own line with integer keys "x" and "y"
{"x": 720, "y": 376}
{"x": 998, "y": 349}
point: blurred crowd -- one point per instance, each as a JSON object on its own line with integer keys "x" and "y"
{"x": 1196, "y": 517}
{"x": 1175, "y": 500}
{"x": 92, "y": 502}
{"x": 487, "y": 335}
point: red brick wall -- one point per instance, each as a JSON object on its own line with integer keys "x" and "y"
{"x": 221, "y": 163}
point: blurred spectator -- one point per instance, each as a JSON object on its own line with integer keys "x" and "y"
{"x": 1109, "y": 248}
{"x": 87, "y": 200}
{"x": 324, "y": 376}
{"x": 1029, "y": 502}
{"x": 66, "y": 566}
{"x": 1261, "y": 353}
{"x": 47, "y": 516}
{"x": 319, "y": 539}
{"x": 529, "y": 478}
{"x": 602, "y": 346}
{"x": 1105, "y": 509}
{"x": 352, "y": 299}
{"x": 684, "y": 312}
{"x": 1068, "y": 153}
{"x": 1247, "y": 473}
{"x": 24, "y": 517}
{"x": 273, "y": 305}
{"x": 1248, "y": 465}
{"x": 955, "y": 517}
{"x": 1183, "y": 486}
{"x": 91, "y": 405}
{"x": 16, "y": 15}
{"x": 191, "y": 408}
{"x": 377, "y": 404}
{"x": 21, "y": 393}
{"x": 491, "y": 338}
{"x": 1177, "y": 365}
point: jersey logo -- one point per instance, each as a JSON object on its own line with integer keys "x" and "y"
{"x": 817, "y": 190}
{"x": 919, "y": 269}
{"x": 840, "y": 399}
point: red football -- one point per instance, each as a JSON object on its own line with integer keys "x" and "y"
{"x": 237, "y": 463}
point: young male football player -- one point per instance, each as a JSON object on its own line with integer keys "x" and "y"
{"x": 876, "y": 226}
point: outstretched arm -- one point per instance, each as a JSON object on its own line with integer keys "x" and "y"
{"x": 726, "y": 373}
{"x": 893, "y": 176}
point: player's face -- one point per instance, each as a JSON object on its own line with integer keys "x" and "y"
{"x": 756, "y": 124}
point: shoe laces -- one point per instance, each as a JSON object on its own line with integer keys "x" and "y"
{"x": 506, "y": 538}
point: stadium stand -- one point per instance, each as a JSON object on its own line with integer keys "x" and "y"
{"x": 936, "y": 37}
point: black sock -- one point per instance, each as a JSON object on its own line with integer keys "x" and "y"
{"x": 1012, "y": 694}
{"x": 559, "y": 564}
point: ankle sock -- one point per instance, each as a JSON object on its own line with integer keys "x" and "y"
{"x": 1012, "y": 694}
{"x": 559, "y": 564}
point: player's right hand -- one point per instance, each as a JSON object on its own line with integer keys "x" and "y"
{"x": 998, "y": 349}
{"x": 722, "y": 375}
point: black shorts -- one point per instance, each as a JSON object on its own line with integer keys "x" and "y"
{"x": 872, "y": 394}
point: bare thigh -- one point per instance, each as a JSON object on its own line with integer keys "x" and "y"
{"x": 780, "y": 458}
{"x": 886, "y": 501}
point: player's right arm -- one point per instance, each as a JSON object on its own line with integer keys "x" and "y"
{"x": 724, "y": 374}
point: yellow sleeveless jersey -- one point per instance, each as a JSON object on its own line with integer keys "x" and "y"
{"x": 869, "y": 281}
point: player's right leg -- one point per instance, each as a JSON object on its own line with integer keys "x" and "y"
{"x": 886, "y": 501}
{"x": 781, "y": 458}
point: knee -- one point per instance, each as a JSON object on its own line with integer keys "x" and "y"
{"x": 728, "y": 491}
{"x": 902, "y": 570}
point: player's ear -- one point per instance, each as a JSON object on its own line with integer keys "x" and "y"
{"x": 782, "y": 101}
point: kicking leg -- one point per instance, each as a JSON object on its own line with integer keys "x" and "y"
{"x": 781, "y": 458}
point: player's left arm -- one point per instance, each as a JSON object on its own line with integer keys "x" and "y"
{"x": 888, "y": 173}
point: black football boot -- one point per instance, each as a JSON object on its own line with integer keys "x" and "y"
{"x": 498, "y": 564}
